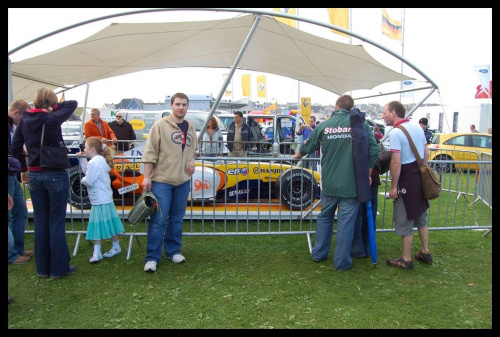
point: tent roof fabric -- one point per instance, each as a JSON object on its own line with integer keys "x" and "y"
{"x": 274, "y": 48}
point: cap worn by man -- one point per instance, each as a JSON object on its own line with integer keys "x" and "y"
{"x": 424, "y": 121}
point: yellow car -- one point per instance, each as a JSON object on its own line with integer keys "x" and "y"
{"x": 461, "y": 146}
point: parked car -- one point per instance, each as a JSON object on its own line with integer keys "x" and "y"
{"x": 458, "y": 147}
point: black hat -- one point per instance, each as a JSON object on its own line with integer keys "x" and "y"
{"x": 423, "y": 121}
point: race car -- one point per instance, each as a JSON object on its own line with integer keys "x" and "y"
{"x": 220, "y": 181}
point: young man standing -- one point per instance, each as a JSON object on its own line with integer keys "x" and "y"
{"x": 168, "y": 158}
{"x": 238, "y": 136}
{"x": 410, "y": 206}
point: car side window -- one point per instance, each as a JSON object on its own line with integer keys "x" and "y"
{"x": 481, "y": 141}
{"x": 457, "y": 141}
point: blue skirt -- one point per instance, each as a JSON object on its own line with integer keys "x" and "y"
{"x": 104, "y": 222}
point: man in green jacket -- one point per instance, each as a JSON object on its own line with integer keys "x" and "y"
{"x": 338, "y": 181}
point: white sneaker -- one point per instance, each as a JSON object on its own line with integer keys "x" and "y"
{"x": 177, "y": 258}
{"x": 150, "y": 266}
{"x": 96, "y": 258}
{"x": 112, "y": 252}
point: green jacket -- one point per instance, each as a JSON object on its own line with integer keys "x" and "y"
{"x": 338, "y": 176}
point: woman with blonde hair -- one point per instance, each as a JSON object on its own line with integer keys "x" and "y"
{"x": 212, "y": 142}
{"x": 49, "y": 186}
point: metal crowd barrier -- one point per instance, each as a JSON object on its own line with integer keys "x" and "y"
{"x": 457, "y": 207}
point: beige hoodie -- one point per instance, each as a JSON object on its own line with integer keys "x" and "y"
{"x": 164, "y": 149}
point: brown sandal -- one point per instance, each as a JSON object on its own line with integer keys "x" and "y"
{"x": 400, "y": 263}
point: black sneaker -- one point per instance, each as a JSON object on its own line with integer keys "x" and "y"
{"x": 400, "y": 263}
{"x": 424, "y": 257}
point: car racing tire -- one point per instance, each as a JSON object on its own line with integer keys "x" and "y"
{"x": 296, "y": 188}
{"x": 78, "y": 194}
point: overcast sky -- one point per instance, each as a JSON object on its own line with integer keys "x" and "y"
{"x": 446, "y": 44}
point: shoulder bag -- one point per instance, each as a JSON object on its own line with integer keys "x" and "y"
{"x": 53, "y": 157}
{"x": 430, "y": 182}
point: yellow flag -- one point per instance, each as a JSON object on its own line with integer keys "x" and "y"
{"x": 392, "y": 25}
{"x": 291, "y": 11}
{"x": 261, "y": 86}
{"x": 305, "y": 107}
{"x": 62, "y": 98}
{"x": 229, "y": 91}
{"x": 339, "y": 17}
{"x": 245, "y": 85}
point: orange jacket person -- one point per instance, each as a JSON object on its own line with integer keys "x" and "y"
{"x": 96, "y": 127}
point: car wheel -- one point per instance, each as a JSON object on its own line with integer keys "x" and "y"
{"x": 78, "y": 194}
{"x": 442, "y": 167}
{"x": 297, "y": 189}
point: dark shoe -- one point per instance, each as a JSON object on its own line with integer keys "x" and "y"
{"x": 10, "y": 299}
{"x": 72, "y": 269}
{"x": 424, "y": 257}
{"x": 400, "y": 263}
{"x": 21, "y": 260}
{"x": 28, "y": 253}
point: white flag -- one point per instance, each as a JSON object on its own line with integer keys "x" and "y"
{"x": 406, "y": 86}
{"x": 484, "y": 78}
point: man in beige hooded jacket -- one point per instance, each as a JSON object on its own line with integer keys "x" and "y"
{"x": 168, "y": 158}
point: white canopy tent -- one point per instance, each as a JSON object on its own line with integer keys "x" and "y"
{"x": 273, "y": 48}
{"x": 254, "y": 41}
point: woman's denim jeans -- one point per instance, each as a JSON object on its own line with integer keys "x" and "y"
{"x": 166, "y": 225}
{"x": 346, "y": 218}
{"x": 49, "y": 195}
{"x": 18, "y": 218}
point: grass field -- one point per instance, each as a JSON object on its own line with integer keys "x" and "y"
{"x": 262, "y": 282}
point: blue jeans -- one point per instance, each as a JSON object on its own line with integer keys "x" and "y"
{"x": 49, "y": 195}
{"x": 11, "y": 240}
{"x": 18, "y": 218}
{"x": 166, "y": 225}
{"x": 346, "y": 218}
{"x": 361, "y": 243}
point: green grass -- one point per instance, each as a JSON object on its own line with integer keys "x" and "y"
{"x": 262, "y": 282}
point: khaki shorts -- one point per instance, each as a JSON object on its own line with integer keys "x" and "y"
{"x": 402, "y": 225}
